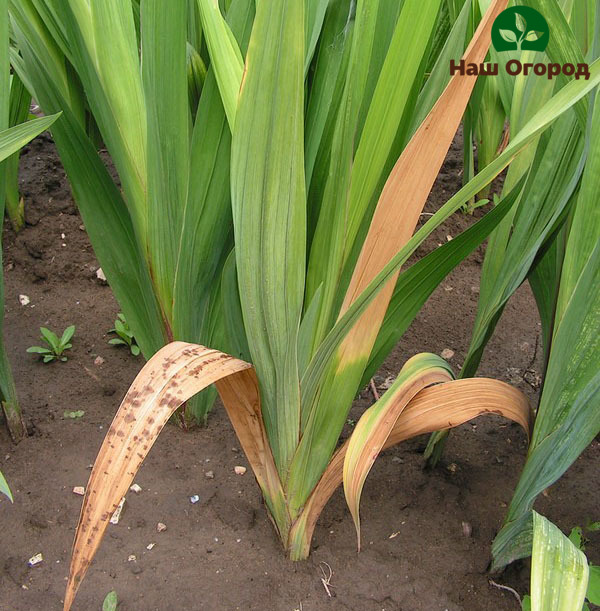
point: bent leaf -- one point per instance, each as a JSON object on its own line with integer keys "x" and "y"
{"x": 377, "y": 422}
{"x": 173, "y": 375}
{"x": 437, "y": 407}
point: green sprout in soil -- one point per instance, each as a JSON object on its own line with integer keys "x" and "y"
{"x": 55, "y": 346}
{"x": 125, "y": 335}
{"x": 4, "y": 489}
{"x": 110, "y": 602}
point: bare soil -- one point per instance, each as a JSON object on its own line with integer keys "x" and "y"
{"x": 426, "y": 534}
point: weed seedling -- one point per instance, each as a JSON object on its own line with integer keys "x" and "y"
{"x": 110, "y": 602}
{"x": 55, "y": 346}
{"x": 125, "y": 335}
{"x": 4, "y": 489}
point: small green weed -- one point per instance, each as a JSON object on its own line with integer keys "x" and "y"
{"x": 110, "y": 602}
{"x": 4, "y": 489}
{"x": 55, "y": 346}
{"x": 125, "y": 335}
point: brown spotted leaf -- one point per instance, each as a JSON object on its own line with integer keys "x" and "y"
{"x": 172, "y": 376}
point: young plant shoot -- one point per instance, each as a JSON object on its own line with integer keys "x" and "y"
{"x": 55, "y": 346}
{"x": 125, "y": 335}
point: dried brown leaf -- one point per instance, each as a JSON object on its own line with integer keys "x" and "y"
{"x": 172, "y": 376}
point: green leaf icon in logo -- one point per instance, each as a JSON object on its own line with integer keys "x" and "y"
{"x": 520, "y": 23}
{"x": 508, "y": 35}
{"x": 520, "y": 28}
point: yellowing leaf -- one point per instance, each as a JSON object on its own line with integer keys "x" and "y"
{"x": 377, "y": 422}
{"x": 437, "y": 407}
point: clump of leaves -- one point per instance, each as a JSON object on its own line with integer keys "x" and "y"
{"x": 55, "y": 346}
{"x": 125, "y": 335}
{"x": 75, "y": 414}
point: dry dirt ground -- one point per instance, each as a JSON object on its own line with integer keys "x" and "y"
{"x": 221, "y": 553}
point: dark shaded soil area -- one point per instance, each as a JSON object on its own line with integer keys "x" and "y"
{"x": 221, "y": 553}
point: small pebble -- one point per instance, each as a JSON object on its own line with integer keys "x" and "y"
{"x": 467, "y": 529}
{"x": 24, "y": 300}
{"x": 452, "y": 467}
{"x": 136, "y": 570}
{"x": 80, "y": 490}
{"x": 160, "y": 527}
{"x": 35, "y": 559}
{"x": 194, "y": 499}
{"x": 100, "y": 275}
{"x": 387, "y": 382}
{"x": 150, "y": 545}
{"x": 209, "y": 475}
{"x": 397, "y": 459}
{"x": 239, "y": 470}
{"x": 135, "y": 488}
{"x": 117, "y": 514}
{"x": 98, "y": 360}
{"x": 447, "y": 353}
{"x": 131, "y": 558}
